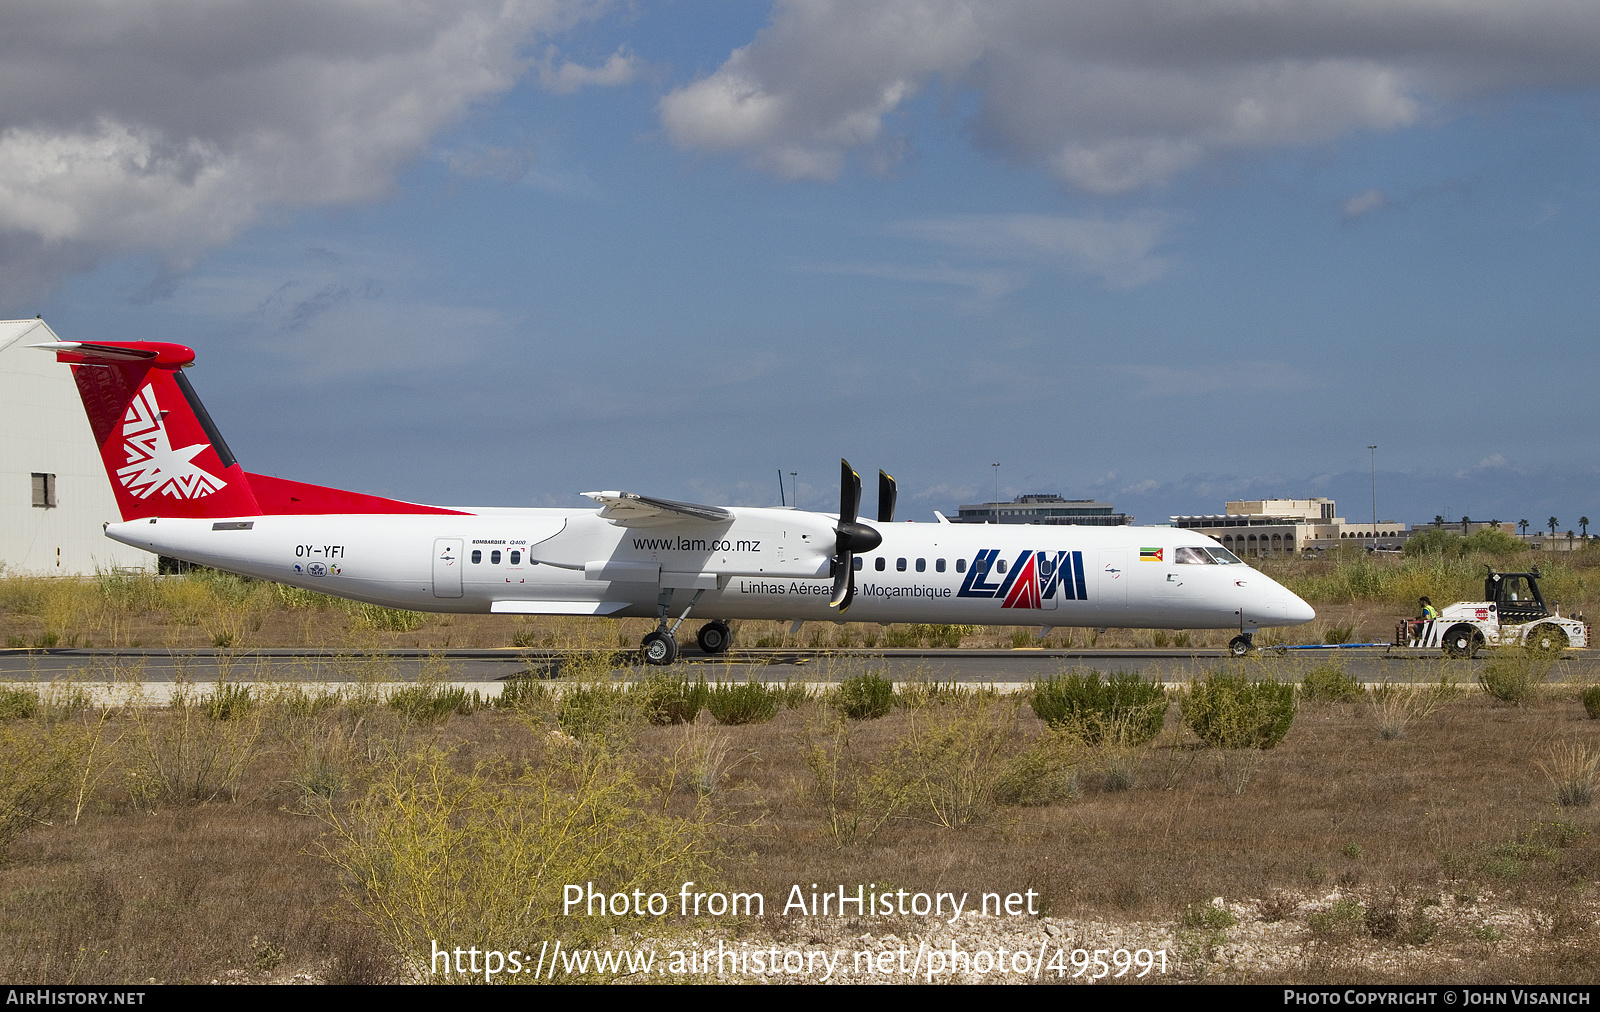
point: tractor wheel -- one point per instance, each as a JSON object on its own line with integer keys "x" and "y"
{"x": 1462, "y": 641}
{"x": 1546, "y": 640}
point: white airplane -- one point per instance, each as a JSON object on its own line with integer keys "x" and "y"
{"x": 182, "y": 494}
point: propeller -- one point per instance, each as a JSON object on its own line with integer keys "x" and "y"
{"x": 852, "y": 537}
{"x": 886, "y": 496}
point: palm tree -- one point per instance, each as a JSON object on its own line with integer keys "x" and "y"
{"x": 1522, "y": 527}
{"x": 1438, "y": 521}
{"x": 1583, "y": 525}
{"x": 1570, "y": 536}
{"x": 1466, "y": 525}
{"x": 1552, "y": 522}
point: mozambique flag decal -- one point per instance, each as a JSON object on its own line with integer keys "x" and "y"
{"x": 1150, "y": 554}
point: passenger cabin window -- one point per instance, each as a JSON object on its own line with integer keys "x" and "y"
{"x": 938, "y": 565}
{"x": 1047, "y": 567}
{"x": 900, "y": 564}
{"x": 516, "y": 558}
{"x": 1186, "y": 556}
{"x": 878, "y": 563}
{"x": 494, "y": 557}
{"x": 961, "y": 565}
{"x": 857, "y": 563}
{"x": 922, "y": 565}
{"x": 1000, "y": 567}
{"x": 477, "y": 556}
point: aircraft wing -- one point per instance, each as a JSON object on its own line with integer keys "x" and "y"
{"x": 625, "y": 509}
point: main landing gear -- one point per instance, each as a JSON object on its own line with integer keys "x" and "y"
{"x": 1241, "y": 644}
{"x": 714, "y": 636}
{"x": 660, "y": 647}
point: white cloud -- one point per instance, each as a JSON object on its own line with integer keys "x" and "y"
{"x": 1113, "y": 96}
{"x": 621, "y": 67}
{"x": 985, "y": 284}
{"x": 1364, "y": 203}
{"x": 1120, "y": 252}
{"x": 167, "y": 126}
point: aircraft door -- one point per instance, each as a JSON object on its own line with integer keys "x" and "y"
{"x": 1113, "y": 579}
{"x": 447, "y": 567}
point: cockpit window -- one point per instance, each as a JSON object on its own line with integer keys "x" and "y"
{"x": 1224, "y": 556}
{"x": 1184, "y": 555}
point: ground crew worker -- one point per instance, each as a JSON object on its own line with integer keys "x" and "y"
{"x": 1429, "y": 612}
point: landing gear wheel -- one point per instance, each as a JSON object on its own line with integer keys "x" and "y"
{"x": 1546, "y": 640}
{"x": 714, "y": 637}
{"x": 1462, "y": 641}
{"x": 1240, "y": 646}
{"x": 659, "y": 648}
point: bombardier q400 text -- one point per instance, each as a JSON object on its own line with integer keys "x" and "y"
{"x": 183, "y": 495}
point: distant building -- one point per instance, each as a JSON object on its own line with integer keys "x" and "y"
{"x": 1264, "y": 526}
{"x": 54, "y": 493}
{"x": 1042, "y": 509}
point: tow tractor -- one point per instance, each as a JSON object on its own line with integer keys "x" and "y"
{"x": 1513, "y": 614}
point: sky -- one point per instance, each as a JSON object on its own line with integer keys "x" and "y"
{"x": 1162, "y": 253}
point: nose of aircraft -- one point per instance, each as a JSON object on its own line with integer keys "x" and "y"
{"x": 1299, "y": 611}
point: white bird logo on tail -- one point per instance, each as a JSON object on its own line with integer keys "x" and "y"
{"x": 153, "y": 465}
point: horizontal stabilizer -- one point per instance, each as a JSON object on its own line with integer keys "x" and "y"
{"x": 297, "y": 498}
{"x": 557, "y": 607}
{"x": 625, "y": 509}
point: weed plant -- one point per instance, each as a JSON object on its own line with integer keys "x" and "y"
{"x": 1124, "y": 708}
{"x": 18, "y": 704}
{"x": 594, "y": 710}
{"x": 749, "y": 702}
{"x": 1230, "y": 711}
{"x": 433, "y": 852}
{"x": 671, "y": 699}
{"x": 1572, "y": 770}
{"x": 947, "y": 769}
{"x": 1047, "y": 772}
{"x": 866, "y": 696}
{"x": 1591, "y": 701}
{"x": 228, "y": 701}
{"x": 1514, "y": 675}
{"x": 1328, "y": 683}
{"x": 430, "y": 703}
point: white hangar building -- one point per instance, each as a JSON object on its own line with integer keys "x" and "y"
{"x": 54, "y": 493}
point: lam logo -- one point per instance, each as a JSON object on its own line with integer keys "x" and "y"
{"x": 153, "y": 465}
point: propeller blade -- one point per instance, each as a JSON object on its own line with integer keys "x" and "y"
{"x": 852, "y": 537}
{"x": 849, "y": 493}
{"x": 844, "y": 582}
{"x": 886, "y": 497}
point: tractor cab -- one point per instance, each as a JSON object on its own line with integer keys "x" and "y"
{"x": 1515, "y": 596}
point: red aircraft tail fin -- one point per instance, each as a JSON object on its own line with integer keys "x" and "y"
{"x": 162, "y": 452}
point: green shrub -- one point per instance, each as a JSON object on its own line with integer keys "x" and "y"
{"x": 228, "y": 701}
{"x": 18, "y": 704}
{"x": 1591, "y": 701}
{"x": 1340, "y": 633}
{"x": 1123, "y": 709}
{"x": 520, "y": 692}
{"x": 1514, "y": 676}
{"x": 374, "y": 616}
{"x": 433, "y": 703}
{"x": 866, "y": 696}
{"x": 1330, "y": 684}
{"x": 670, "y": 699}
{"x": 1208, "y": 917}
{"x": 749, "y": 702}
{"x": 594, "y": 709}
{"x": 1231, "y": 711}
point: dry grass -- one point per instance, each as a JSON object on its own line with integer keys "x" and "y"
{"x": 217, "y": 873}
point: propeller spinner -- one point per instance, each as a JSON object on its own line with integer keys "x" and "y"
{"x": 852, "y": 536}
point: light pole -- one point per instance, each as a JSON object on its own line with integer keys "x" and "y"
{"x": 996, "y": 467}
{"x": 1373, "y": 451}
